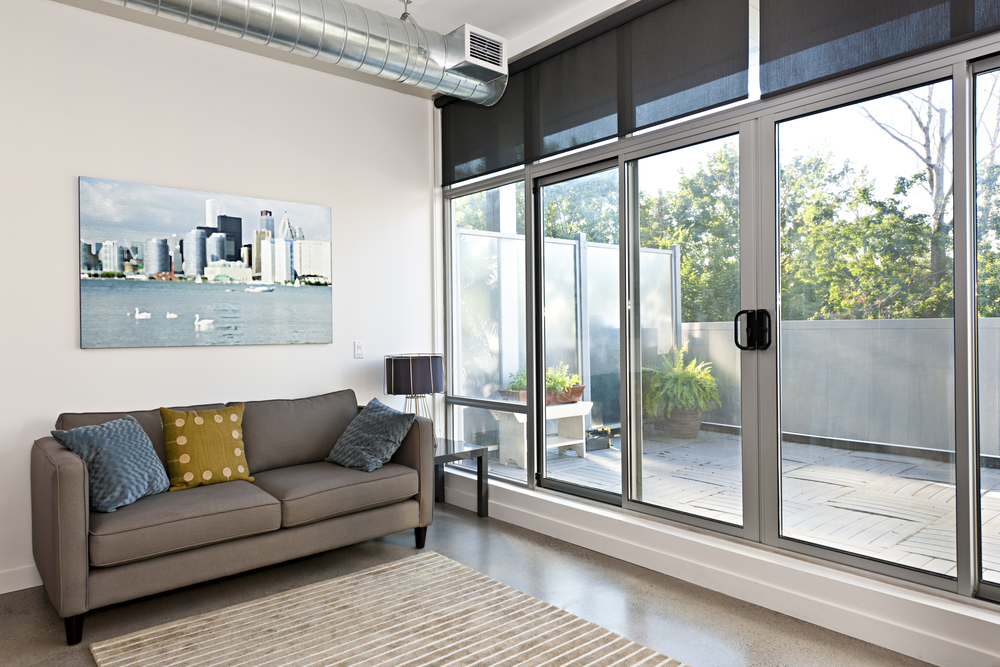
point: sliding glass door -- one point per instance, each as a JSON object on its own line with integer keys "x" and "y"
{"x": 866, "y": 338}
{"x": 781, "y": 325}
{"x": 579, "y": 217}
{"x": 987, "y": 162}
{"x": 689, "y": 450}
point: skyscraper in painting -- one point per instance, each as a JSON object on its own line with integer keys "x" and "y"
{"x": 157, "y": 257}
{"x": 195, "y": 253}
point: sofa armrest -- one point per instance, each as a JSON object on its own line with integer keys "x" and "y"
{"x": 417, "y": 452}
{"x": 59, "y": 516}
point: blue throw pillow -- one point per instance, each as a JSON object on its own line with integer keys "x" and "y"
{"x": 372, "y": 437}
{"x": 121, "y": 462}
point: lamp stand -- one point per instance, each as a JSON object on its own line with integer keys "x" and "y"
{"x": 417, "y": 404}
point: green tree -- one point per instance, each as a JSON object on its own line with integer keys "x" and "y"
{"x": 701, "y": 214}
{"x": 588, "y": 204}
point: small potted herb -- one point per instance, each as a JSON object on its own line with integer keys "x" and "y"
{"x": 681, "y": 393}
{"x": 560, "y": 386}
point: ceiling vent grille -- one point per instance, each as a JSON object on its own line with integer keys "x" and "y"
{"x": 486, "y": 49}
{"x": 476, "y": 53}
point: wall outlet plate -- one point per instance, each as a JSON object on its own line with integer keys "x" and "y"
{"x": 359, "y": 350}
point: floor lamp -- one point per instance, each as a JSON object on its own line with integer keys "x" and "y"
{"x": 415, "y": 376}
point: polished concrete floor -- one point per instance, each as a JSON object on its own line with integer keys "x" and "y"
{"x": 697, "y": 626}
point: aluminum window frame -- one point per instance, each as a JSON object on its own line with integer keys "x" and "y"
{"x": 756, "y": 121}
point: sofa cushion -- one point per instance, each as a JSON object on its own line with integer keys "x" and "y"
{"x": 317, "y": 491}
{"x": 170, "y": 522}
{"x": 149, "y": 420}
{"x": 204, "y": 446}
{"x": 121, "y": 463}
{"x": 372, "y": 438}
{"x": 283, "y": 433}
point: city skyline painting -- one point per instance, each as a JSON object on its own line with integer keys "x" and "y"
{"x": 170, "y": 267}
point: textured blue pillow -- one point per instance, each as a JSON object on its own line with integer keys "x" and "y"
{"x": 371, "y": 438}
{"x": 121, "y": 462}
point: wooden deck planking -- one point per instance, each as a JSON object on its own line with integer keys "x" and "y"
{"x": 894, "y": 508}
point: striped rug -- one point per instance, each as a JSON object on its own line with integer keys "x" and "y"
{"x": 422, "y": 610}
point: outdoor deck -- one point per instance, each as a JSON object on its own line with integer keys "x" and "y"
{"x": 891, "y": 507}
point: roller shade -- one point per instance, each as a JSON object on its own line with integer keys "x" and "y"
{"x": 478, "y": 140}
{"x": 576, "y": 97}
{"x": 802, "y": 41}
{"x": 688, "y": 56}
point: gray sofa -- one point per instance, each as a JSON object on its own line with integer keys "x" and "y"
{"x": 298, "y": 505}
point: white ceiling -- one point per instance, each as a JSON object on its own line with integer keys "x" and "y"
{"x": 526, "y": 24}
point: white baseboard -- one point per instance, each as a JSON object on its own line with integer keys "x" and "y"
{"x": 19, "y": 578}
{"x": 927, "y": 625}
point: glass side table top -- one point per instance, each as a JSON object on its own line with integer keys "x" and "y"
{"x": 456, "y": 450}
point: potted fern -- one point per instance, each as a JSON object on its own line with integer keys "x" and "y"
{"x": 680, "y": 392}
{"x": 560, "y": 386}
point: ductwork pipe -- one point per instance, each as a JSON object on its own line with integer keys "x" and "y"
{"x": 336, "y": 32}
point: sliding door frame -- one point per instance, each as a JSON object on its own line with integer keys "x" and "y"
{"x": 756, "y": 123}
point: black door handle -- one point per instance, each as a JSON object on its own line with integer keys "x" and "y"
{"x": 751, "y": 329}
{"x": 762, "y": 335}
{"x": 758, "y": 329}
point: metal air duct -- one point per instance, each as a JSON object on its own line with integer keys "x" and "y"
{"x": 351, "y": 36}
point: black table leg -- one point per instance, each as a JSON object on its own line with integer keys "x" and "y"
{"x": 439, "y": 483}
{"x": 482, "y": 485}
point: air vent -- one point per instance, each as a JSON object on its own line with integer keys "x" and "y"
{"x": 486, "y": 49}
{"x": 476, "y": 53}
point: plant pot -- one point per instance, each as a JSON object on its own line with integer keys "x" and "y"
{"x": 571, "y": 395}
{"x": 683, "y": 424}
{"x": 515, "y": 395}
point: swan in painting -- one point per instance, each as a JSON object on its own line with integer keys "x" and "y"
{"x": 142, "y": 316}
{"x": 202, "y": 325}
{"x": 171, "y": 316}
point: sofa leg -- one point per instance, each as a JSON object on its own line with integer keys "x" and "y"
{"x": 421, "y": 535}
{"x": 74, "y": 629}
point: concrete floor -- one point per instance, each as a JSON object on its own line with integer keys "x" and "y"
{"x": 697, "y": 626}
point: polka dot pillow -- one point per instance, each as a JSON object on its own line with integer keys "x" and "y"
{"x": 204, "y": 447}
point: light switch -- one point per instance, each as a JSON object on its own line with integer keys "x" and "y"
{"x": 359, "y": 350}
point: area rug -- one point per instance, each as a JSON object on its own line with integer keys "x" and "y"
{"x": 422, "y": 610}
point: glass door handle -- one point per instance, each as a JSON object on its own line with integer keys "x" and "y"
{"x": 751, "y": 329}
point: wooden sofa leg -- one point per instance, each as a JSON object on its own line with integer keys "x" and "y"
{"x": 419, "y": 533}
{"x": 74, "y": 629}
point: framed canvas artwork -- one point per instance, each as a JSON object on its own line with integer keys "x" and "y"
{"x": 166, "y": 267}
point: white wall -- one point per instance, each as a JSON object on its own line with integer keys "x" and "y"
{"x": 85, "y": 94}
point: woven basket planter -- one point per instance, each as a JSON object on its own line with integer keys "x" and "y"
{"x": 683, "y": 424}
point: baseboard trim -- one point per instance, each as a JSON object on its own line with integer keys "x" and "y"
{"x": 19, "y": 578}
{"x": 925, "y": 624}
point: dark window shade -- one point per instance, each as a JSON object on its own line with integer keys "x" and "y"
{"x": 478, "y": 140}
{"x": 987, "y": 14}
{"x": 576, "y": 97}
{"x": 804, "y": 40}
{"x": 689, "y": 56}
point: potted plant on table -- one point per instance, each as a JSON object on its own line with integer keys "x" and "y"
{"x": 681, "y": 392}
{"x": 560, "y": 386}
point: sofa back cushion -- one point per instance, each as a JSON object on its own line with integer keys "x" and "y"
{"x": 281, "y": 433}
{"x": 149, "y": 420}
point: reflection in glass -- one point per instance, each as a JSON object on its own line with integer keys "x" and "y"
{"x": 484, "y": 428}
{"x": 690, "y": 448}
{"x": 866, "y": 342}
{"x": 582, "y": 333}
{"x": 988, "y": 268}
{"x": 488, "y": 279}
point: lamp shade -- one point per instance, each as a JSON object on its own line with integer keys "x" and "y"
{"x": 414, "y": 374}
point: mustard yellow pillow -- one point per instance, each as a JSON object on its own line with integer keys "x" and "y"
{"x": 204, "y": 447}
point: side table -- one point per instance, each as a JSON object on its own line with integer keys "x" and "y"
{"x": 457, "y": 450}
